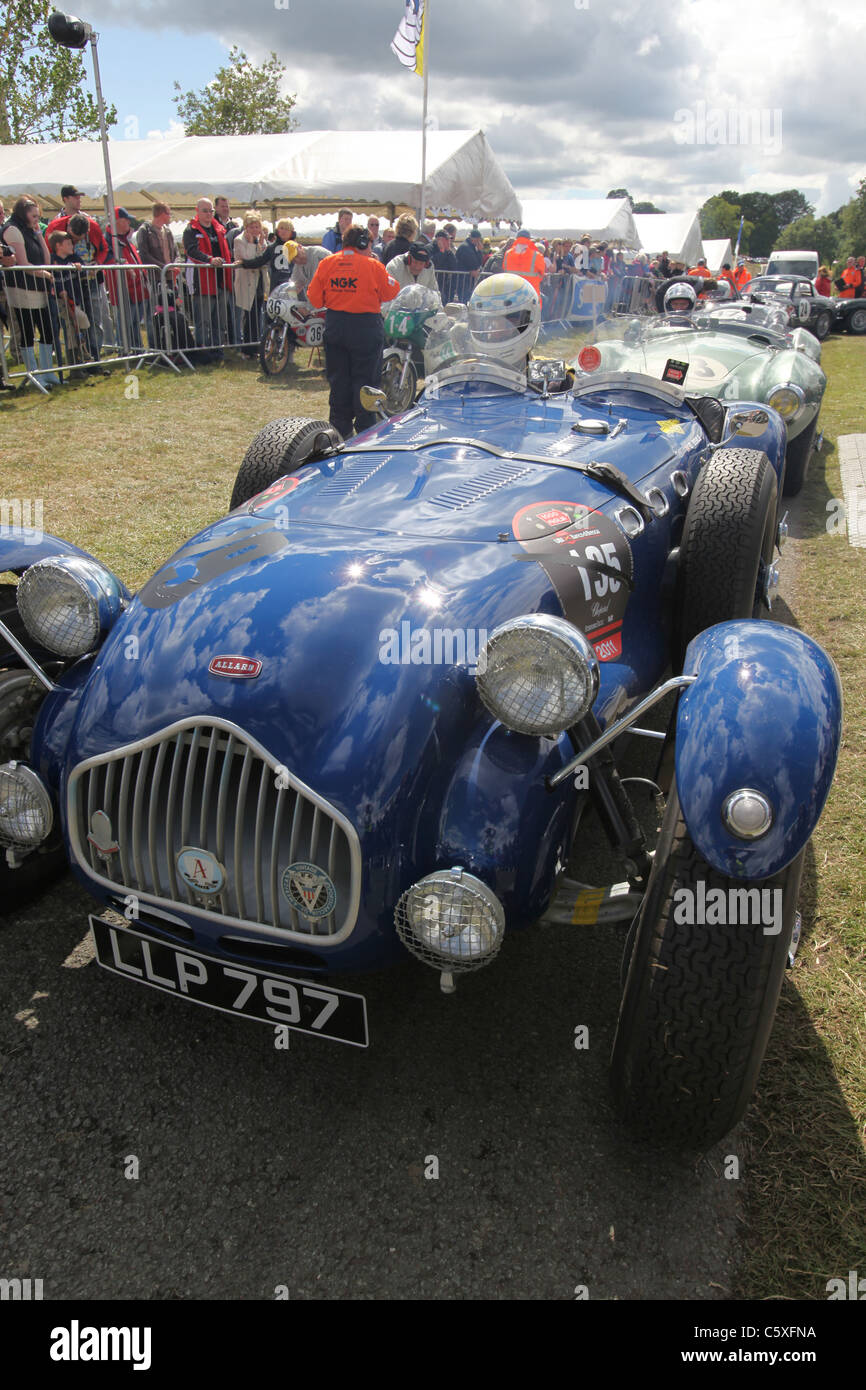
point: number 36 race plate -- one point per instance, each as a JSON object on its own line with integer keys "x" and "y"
{"x": 234, "y": 989}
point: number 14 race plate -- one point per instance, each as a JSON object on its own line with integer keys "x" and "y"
{"x": 234, "y": 989}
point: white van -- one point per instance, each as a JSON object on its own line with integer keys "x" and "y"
{"x": 793, "y": 263}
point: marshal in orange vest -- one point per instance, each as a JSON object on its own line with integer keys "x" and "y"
{"x": 524, "y": 258}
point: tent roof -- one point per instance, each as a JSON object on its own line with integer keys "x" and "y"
{"x": 604, "y": 219}
{"x": 717, "y": 252}
{"x": 678, "y": 233}
{"x": 304, "y": 171}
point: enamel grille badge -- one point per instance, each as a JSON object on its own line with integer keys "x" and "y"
{"x": 200, "y": 870}
{"x": 241, "y": 667}
{"x": 309, "y": 890}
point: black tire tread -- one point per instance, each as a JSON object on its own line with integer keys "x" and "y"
{"x": 797, "y": 457}
{"x": 277, "y": 449}
{"x": 724, "y": 538}
{"x": 699, "y": 1003}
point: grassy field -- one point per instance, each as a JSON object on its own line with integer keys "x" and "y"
{"x": 130, "y": 467}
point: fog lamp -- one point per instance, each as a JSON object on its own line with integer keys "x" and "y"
{"x": 26, "y": 813}
{"x": 451, "y": 921}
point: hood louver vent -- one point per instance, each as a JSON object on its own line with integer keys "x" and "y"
{"x": 474, "y": 488}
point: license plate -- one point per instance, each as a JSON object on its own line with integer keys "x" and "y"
{"x": 233, "y": 989}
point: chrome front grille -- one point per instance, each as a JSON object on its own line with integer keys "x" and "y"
{"x": 205, "y": 785}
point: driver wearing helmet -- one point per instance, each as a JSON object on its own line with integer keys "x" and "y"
{"x": 504, "y": 319}
{"x": 680, "y": 299}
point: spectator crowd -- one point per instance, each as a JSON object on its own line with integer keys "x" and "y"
{"x": 73, "y": 294}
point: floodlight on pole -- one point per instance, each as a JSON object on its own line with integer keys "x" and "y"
{"x": 69, "y": 31}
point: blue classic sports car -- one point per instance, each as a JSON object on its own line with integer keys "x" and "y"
{"x": 364, "y": 713}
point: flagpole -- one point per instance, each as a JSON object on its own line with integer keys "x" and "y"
{"x": 426, "y": 61}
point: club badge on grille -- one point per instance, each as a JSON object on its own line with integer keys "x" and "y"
{"x": 309, "y": 889}
{"x": 200, "y": 870}
{"x": 101, "y": 836}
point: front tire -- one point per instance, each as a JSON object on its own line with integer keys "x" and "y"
{"x": 398, "y": 398}
{"x": 726, "y": 546}
{"x": 278, "y": 449}
{"x": 699, "y": 1000}
{"x": 797, "y": 457}
{"x": 857, "y": 321}
{"x": 276, "y": 349}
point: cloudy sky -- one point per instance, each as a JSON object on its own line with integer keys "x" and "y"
{"x": 673, "y": 99}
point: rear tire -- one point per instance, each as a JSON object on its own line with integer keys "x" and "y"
{"x": 699, "y": 1000}
{"x": 797, "y": 457}
{"x": 398, "y": 398}
{"x": 727, "y": 541}
{"x": 278, "y": 449}
{"x": 857, "y": 321}
{"x": 276, "y": 349}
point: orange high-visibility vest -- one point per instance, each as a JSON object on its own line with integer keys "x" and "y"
{"x": 741, "y": 277}
{"x": 525, "y": 259}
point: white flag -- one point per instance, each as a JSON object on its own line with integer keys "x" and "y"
{"x": 407, "y": 43}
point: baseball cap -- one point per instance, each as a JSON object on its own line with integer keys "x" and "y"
{"x": 121, "y": 212}
{"x": 70, "y": 191}
{"x": 475, "y": 235}
{"x": 420, "y": 253}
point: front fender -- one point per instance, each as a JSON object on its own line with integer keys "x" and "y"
{"x": 22, "y": 546}
{"x": 765, "y": 712}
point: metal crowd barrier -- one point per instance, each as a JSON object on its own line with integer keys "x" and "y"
{"x": 67, "y": 319}
{"x": 57, "y": 320}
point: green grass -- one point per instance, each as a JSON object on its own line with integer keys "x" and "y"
{"x": 131, "y": 479}
{"x": 805, "y": 1177}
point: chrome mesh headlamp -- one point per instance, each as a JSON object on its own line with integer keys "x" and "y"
{"x": 451, "y": 921}
{"x": 68, "y": 603}
{"x": 538, "y": 675}
{"x": 26, "y": 813}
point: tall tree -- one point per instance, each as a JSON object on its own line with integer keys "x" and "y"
{"x": 42, "y": 94}
{"x": 719, "y": 218}
{"x": 646, "y": 207}
{"x": 852, "y": 241}
{"x": 620, "y": 193}
{"x": 241, "y": 99}
{"x": 810, "y": 234}
{"x": 790, "y": 205}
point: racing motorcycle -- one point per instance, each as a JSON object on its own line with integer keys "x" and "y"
{"x": 408, "y": 320}
{"x": 291, "y": 323}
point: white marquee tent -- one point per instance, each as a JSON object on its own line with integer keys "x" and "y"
{"x": 717, "y": 252}
{"x": 678, "y": 233}
{"x": 604, "y": 219}
{"x": 305, "y": 171}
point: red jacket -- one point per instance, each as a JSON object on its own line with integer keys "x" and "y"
{"x": 136, "y": 283}
{"x": 206, "y": 275}
{"x": 94, "y": 233}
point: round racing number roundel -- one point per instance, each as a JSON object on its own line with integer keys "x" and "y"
{"x": 589, "y": 563}
{"x": 309, "y": 890}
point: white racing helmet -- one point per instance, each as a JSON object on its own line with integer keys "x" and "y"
{"x": 680, "y": 298}
{"x": 504, "y": 318}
